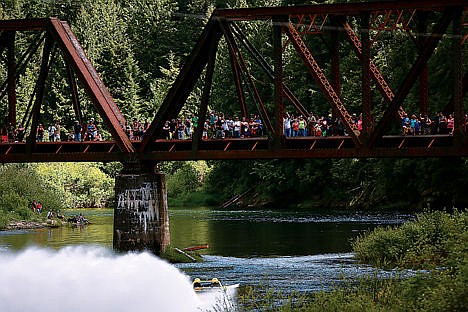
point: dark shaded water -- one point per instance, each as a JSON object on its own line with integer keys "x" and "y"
{"x": 273, "y": 233}
{"x": 309, "y": 250}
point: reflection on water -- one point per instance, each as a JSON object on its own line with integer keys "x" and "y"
{"x": 98, "y": 233}
{"x": 302, "y": 251}
{"x": 272, "y": 233}
{"x": 228, "y": 233}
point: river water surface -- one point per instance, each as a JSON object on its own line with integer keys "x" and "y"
{"x": 301, "y": 251}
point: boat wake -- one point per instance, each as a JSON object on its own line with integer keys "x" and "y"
{"x": 92, "y": 279}
{"x": 218, "y": 299}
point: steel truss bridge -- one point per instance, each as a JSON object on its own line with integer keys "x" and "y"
{"x": 360, "y": 25}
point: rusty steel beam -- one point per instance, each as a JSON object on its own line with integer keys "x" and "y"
{"x": 279, "y": 81}
{"x": 198, "y": 133}
{"x": 457, "y": 65}
{"x": 379, "y": 80}
{"x": 93, "y": 84}
{"x": 323, "y": 83}
{"x": 253, "y": 148}
{"x": 184, "y": 83}
{"x": 236, "y": 71}
{"x": 23, "y": 61}
{"x": 365, "y": 76}
{"x": 24, "y": 24}
{"x": 226, "y": 28}
{"x": 266, "y": 67}
{"x": 40, "y": 92}
{"x": 424, "y": 77}
{"x": 348, "y": 9}
{"x": 335, "y": 57}
{"x": 11, "y": 79}
{"x": 450, "y": 107}
{"x": 426, "y": 52}
{"x": 74, "y": 94}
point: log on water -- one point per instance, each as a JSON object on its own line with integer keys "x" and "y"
{"x": 193, "y": 248}
{"x": 185, "y": 254}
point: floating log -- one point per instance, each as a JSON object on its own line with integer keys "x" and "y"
{"x": 185, "y": 254}
{"x": 193, "y": 248}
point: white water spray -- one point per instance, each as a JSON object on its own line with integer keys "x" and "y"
{"x": 92, "y": 279}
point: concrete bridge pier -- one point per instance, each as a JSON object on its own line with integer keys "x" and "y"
{"x": 141, "y": 219}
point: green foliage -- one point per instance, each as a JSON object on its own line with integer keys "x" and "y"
{"x": 184, "y": 178}
{"x": 83, "y": 184}
{"x": 20, "y": 185}
{"x": 138, "y": 48}
{"x": 437, "y": 241}
{"x": 347, "y": 183}
{"x": 426, "y": 242}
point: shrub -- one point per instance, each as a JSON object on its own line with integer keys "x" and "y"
{"x": 20, "y": 185}
{"x": 425, "y": 242}
{"x": 183, "y": 181}
{"x": 83, "y": 184}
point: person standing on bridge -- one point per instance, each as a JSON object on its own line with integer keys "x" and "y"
{"x": 77, "y": 129}
{"x": 51, "y": 131}
{"x": 11, "y": 132}
{"x": 237, "y": 128}
{"x": 40, "y": 133}
{"x": 19, "y": 132}
{"x": 57, "y": 136}
{"x": 287, "y": 125}
{"x": 4, "y": 135}
{"x": 166, "y": 131}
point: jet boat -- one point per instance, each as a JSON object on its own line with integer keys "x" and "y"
{"x": 210, "y": 285}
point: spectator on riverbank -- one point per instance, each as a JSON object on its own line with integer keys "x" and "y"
{"x": 34, "y": 206}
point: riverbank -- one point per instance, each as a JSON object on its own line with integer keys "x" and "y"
{"x": 30, "y": 225}
{"x": 436, "y": 244}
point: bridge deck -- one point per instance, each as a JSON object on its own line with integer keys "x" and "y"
{"x": 247, "y": 148}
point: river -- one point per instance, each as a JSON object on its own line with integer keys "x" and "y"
{"x": 285, "y": 250}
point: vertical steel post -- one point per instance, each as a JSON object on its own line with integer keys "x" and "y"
{"x": 335, "y": 57}
{"x": 335, "y": 60}
{"x": 46, "y": 53}
{"x": 365, "y": 67}
{"x": 11, "y": 80}
{"x": 74, "y": 93}
{"x": 457, "y": 74}
{"x": 197, "y": 135}
{"x": 424, "y": 76}
{"x": 278, "y": 79}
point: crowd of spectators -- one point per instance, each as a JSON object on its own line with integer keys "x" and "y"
{"x": 425, "y": 125}
{"x": 220, "y": 126}
{"x": 136, "y": 130}
{"x": 216, "y": 126}
{"x": 54, "y": 132}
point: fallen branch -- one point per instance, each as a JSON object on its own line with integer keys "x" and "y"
{"x": 185, "y": 254}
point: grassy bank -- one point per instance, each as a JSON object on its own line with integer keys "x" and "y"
{"x": 436, "y": 242}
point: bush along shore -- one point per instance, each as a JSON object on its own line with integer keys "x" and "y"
{"x": 436, "y": 244}
{"x": 56, "y": 186}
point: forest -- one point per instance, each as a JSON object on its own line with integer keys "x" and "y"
{"x": 139, "y": 46}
